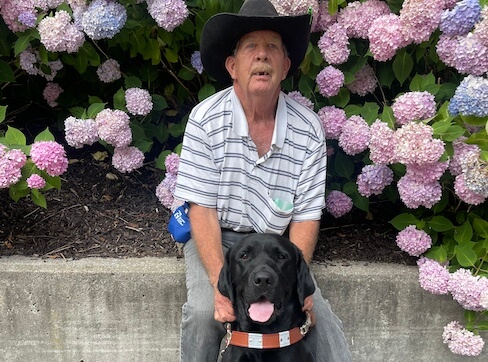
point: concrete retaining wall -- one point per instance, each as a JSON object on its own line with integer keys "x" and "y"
{"x": 97, "y": 310}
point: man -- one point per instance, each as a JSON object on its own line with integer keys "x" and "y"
{"x": 253, "y": 160}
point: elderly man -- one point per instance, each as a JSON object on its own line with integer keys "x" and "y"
{"x": 253, "y": 160}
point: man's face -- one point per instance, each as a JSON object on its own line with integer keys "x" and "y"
{"x": 260, "y": 62}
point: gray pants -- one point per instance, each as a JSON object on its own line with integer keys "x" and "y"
{"x": 201, "y": 334}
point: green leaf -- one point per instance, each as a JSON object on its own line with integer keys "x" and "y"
{"x": 342, "y": 99}
{"x": 15, "y": 137}
{"x": 94, "y": 109}
{"x": 453, "y": 133}
{"x": 437, "y": 253}
{"x": 38, "y": 198}
{"x": 440, "y": 224}
{"x": 45, "y": 135}
{"x": 81, "y": 62}
{"x": 206, "y": 91}
{"x": 161, "y": 158}
{"x": 3, "y": 113}
{"x": 119, "y": 100}
{"x": 77, "y": 112}
{"x": 159, "y": 102}
{"x": 343, "y": 165}
{"x": 474, "y": 121}
{"x": 481, "y": 227}
{"x": 463, "y": 233}
{"x": 133, "y": 82}
{"x": 465, "y": 254}
{"x": 21, "y": 44}
{"x": 370, "y": 112}
{"x": 170, "y": 55}
{"x": 388, "y": 116}
{"x": 6, "y": 73}
{"x": 401, "y": 221}
{"x": 402, "y": 66}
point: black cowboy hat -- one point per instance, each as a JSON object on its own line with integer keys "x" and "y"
{"x": 222, "y": 32}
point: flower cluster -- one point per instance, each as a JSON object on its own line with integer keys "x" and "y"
{"x": 381, "y": 143}
{"x": 51, "y": 93}
{"x": 364, "y": 81}
{"x": 330, "y": 80}
{"x": 471, "y": 97}
{"x": 297, "y": 7}
{"x": 323, "y": 19}
{"x": 138, "y": 101}
{"x": 433, "y": 276}
{"x": 196, "y": 61}
{"x": 127, "y": 158}
{"x": 11, "y": 11}
{"x": 49, "y": 156}
{"x": 413, "y": 241}
{"x": 11, "y": 163}
{"x": 414, "y": 106}
{"x": 300, "y": 98}
{"x": 29, "y": 61}
{"x": 466, "y": 194}
{"x": 461, "y": 19}
{"x": 420, "y": 18}
{"x": 373, "y": 179}
{"x": 338, "y": 203}
{"x": 333, "y": 119}
{"x": 467, "y": 289}
{"x": 357, "y": 16}
{"x": 415, "y": 194}
{"x": 113, "y": 127}
{"x": 334, "y": 44}
{"x": 461, "y": 341}
{"x": 462, "y": 151}
{"x": 36, "y": 181}
{"x": 166, "y": 188}
{"x": 109, "y": 71}
{"x": 386, "y": 37}
{"x": 59, "y": 34}
{"x": 355, "y": 136}
{"x": 80, "y": 132}
{"x": 168, "y": 14}
{"x": 475, "y": 175}
{"x": 103, "y": 19}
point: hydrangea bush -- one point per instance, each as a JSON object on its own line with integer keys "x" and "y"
{"x": 401, "y": 88}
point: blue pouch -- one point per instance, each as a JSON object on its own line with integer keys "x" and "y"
{"x": 179, "y": 224}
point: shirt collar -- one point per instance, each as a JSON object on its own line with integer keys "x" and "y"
{"x": 241, "y": 128}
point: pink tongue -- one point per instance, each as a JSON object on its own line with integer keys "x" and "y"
{"x": 261, "y": 311}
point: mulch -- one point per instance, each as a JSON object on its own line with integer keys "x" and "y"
{"x": 100, "y": 212}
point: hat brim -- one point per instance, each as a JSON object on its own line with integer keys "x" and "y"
{"x": 222, "y": 32}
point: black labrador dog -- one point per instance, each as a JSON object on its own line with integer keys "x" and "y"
{"x": 267, "y": 280}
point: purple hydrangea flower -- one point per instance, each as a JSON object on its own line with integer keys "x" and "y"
{"x": 433, "y": 276}
{"x": 51, "y": 93}
{"x": 464, "y": 193}
{"x": 324, "y": 19}
{"x": 330, "y": 80}
{"x": 481, "y": 28}
{"x": 103, "y": 19}
{"x": 196, "y": 61}
{"x": 333, "y": 119}
{"x": 49, "y": 156}
{"x": 461, "y": 341}
{"x": 28, "y": 18}
{"x": 168, "y": 14}
{"x": 381, "y": 143}
{"x": 11, "y": 163}
{"x": 338, "y": 203}
{"x": 300, "y": 98}
{"x": 462, "y": 151}
{"x": 355, "y": 136}
{"x": 127, "y": 159}
{"x": 461, "y": 19}
{"x": 373, "y": 179}
{"x": 471, "y": 55}
{"x": 413, "y": 241}
{"x": 414, "y": 106}
{"x": 470, "y": 98}
{"x": 364, "y": 81}
{"x": 172, "y": 163}
{"x": 357, "y": 16}
{"x": 113, "y": 127}
{"x": 334, "y": 44}
{"x": 109, "y": 71}
{"x": 466, "y": 289}
{"x": 415, "y": 194}
{"x": 166, "y": 189}
{"x": 138, "y": 101}
{"x": 80, "y": 132}
{"x": 36, "y": 181}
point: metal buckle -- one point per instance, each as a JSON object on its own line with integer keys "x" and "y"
{"x": 227, "y": 337}
{"x": 306, "y": 326}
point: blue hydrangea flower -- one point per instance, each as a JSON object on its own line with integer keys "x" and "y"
{"x": 196, "y": 62}
{"x": 470, "y": 98}
{"x": 103, "y": 19}
{"x": 461, "y": 19}
{"x": 28, "y": 19}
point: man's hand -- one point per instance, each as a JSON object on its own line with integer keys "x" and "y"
{"x": 223, "y": 309}
{"x": 308, "y": 307}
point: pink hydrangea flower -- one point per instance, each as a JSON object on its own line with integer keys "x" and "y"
{"x": 414, "y": 144}
{"x": 420, "y": 18}
{"x": 334, "y": 44}
{"x": 300, "y": 98}
{"x": 168, "y": 14}
{"x": 355, "y": 136}
{"x": 414, "y": 106}
{"x": 357, "y": 16}
{"x": 426, "y": 173}
{"x": 51, "y": 93}
{"x": 471, "y": 55}
{"x": 127, "y": 159}
{"x": 373, "y": 179}
{"x": 333, "y": 120}
{"x": 109, "y": 71}
{"x": 461, "y": 152}
{"x": 484, "y": 299}
{"x": 415, "y": 194}
{"x": 385, "y": 37}
{"x": 466, "y": 289}
{"x": 138, "y": 101}
{"x": 461, "y": 341}
{"x": 297, "y": 7}
{"x": 338, "y": 203}
{"x": 165, "y": 190}
{"x": 80, "y": 132}
{"x": 10, "y": 11}
{"x": 364, "y": 81}
{"x": 172, "y": 162}
{"x": 324, "y": 19}
{"x": 330, "y": 80}
{"x": 381, "y": 143}
{"x": 36, "y": 181}
{"x": 49, "y": 156}
{"x": 446, "y": 49}
{"x": 465, "y": 194}
{"x": 11, "y": 163}
{"x": 413, "y": 241}
{"x": 481, "y": 28}
{"x": 59, "y": 34}
{"x": 433, "y": 276}
{"x": 113, "y": 127}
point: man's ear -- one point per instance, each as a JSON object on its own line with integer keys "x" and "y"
{"x": 225, "y": 285}
{"x": 230, "y": 63}
{"x": 286, "y": 67}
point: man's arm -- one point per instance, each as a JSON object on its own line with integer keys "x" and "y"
{"x": 207, "y": 235}
{"x": 304, "y": 234}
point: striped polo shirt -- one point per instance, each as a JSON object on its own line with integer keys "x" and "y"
{"x": 220, "y": 167}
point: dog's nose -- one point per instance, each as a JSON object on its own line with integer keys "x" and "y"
{"x": 263, "y": 279}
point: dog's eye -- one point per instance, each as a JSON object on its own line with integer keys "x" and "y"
{"x": 243, "y": 256}
{"x": 281, "y": 256}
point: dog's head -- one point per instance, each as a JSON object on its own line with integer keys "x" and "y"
{"x": 263, "y": 275}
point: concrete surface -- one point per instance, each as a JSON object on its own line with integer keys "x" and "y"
{"x": 97, "y": 310}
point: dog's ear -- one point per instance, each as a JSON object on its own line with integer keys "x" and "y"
{"x": 305, "y": 284}
{"x": 225, "y": 284}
